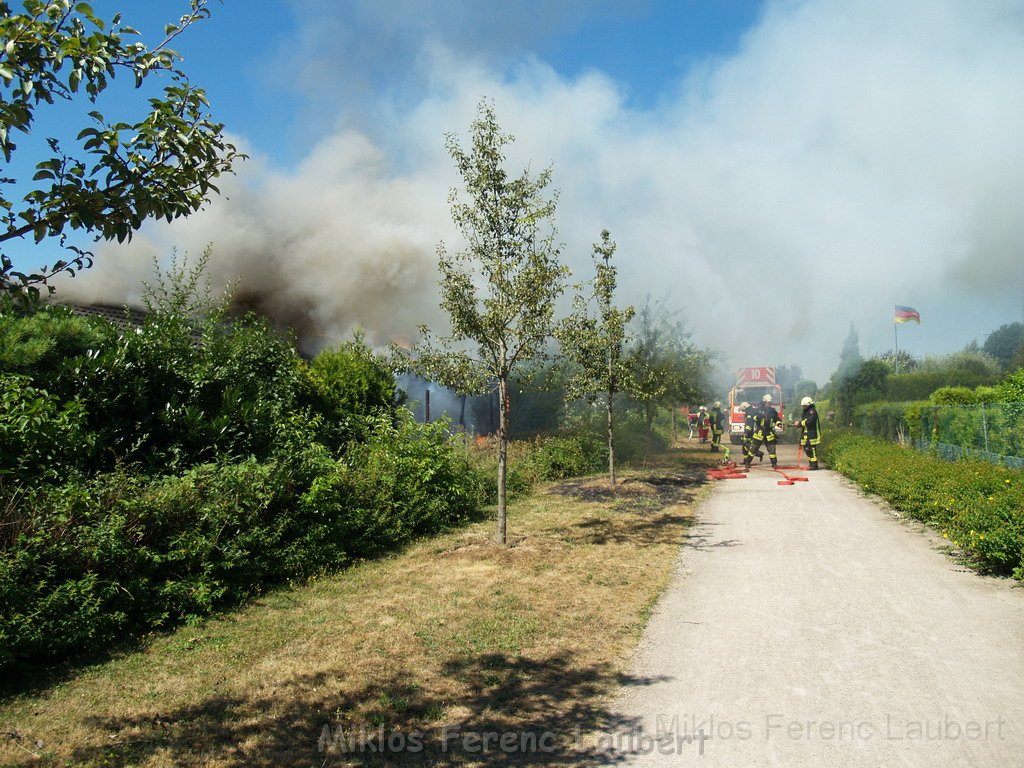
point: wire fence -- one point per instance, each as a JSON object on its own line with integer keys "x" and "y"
{"x": 990, "y": 431}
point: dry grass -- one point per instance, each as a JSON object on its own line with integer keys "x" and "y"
{"x": 454, "y": 632}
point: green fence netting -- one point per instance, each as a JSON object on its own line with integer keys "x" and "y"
{"x": 990, "y": 431}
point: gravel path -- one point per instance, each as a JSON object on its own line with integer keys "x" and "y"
{"x": 809, "y": 626}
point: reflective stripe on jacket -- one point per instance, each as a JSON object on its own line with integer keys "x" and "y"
{"x": 809, "y": 424}
{"x": 765, "y": 420}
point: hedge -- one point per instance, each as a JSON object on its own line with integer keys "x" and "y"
{"x": 976, "y": 505}
{"x": 97, "y": 561}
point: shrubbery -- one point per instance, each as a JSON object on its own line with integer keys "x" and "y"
{"x": 93, "y": 561}
{"x": 151, "y": 476}
{"x": 976, "y": 505}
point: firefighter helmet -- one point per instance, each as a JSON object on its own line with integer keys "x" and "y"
{"x": 744, "y": 405}
{"x": 766, "y": 398}
{"x": 806, "y": 401}
{"x": 718, "y": 403}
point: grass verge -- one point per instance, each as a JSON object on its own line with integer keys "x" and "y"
{"x": 454, "y": 633}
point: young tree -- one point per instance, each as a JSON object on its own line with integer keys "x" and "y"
{"x": 124, "y": 171}
{"x": 500, "y": 291}
{"x": 594, "y": 344}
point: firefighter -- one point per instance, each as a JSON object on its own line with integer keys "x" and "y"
{"x": 715, "y": 421}
{"x": 765, "y": 419}
{"x": 749, "y": 412}
{"x": 810, "y": 436}
{"x": 702, "y": 424}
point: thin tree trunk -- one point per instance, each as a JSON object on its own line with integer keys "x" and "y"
{"x": 611, "y": 444}
{"x": 611, "y": 421}
{"x": 500, "y": 534}
{"x": 649, "y": 414}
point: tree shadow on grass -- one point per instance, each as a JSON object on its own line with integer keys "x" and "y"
{"x": 639, "y": 531}
{"x": 648, "y": 493}
{"x": 541, "y": 708}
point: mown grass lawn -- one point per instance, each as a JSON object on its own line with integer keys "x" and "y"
{"x": 456, "y": 635}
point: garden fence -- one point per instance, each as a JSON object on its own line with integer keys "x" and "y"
{"x": 990, "y": 431}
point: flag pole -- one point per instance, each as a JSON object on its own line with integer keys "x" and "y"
{"x": 896, "y": 335}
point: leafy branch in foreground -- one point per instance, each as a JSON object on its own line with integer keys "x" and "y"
{"x": 123, "y": 172}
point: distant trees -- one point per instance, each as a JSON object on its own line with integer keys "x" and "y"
{"x": 665, "y": 367}
{"x": 1004, "y": 343}
{"x": 786, "y": 376}
{"x": 901, "y": 362}
{"x": 850, "y": 361}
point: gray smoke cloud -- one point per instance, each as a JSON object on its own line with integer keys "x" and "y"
{"x": 847, "y": 158}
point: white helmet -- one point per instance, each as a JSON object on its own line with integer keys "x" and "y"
{"x": 766, "y": 399}
{"x": 806, "y": 401}
{"x": 744, "y": 405}
{"x": 718, "y": 403}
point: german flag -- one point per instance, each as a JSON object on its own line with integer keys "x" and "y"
{"x": 906, "y": 314}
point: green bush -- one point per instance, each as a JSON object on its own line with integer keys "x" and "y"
{"x": 953, "y": 396}
{"x": 920, "y": 385}
{"x": 41, "y": 437}
{"x": 976, "y": 505}
{"x": 1012, "y": 387}
{"x": 94, "y": 561}
{"x": 175, "y": 394}
{"x": 346, "y": 385}
{"x": 406, "y": 480}
{"x": 48, "y": 344}
{"x": 561, "y": 456}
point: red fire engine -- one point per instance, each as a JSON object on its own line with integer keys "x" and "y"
{"x": 752, "y": 384}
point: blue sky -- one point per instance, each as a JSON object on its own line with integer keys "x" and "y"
{"x": 249, "y": 53}
{"x": 844, "y": 157}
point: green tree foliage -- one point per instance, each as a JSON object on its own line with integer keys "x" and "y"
{"x": 850, "y": 361}
{"x": 351, "y": 385}
{"x": 969, "y": 360}
{"x": 804, "y": 388}
{"x": 787, "y": 376}
{"x": 904, "y": 362}
{"x": 150, "y": 475}
{"x": 1011, "y": 389}
{"x": 499, "y": 292}
{"x": 1003, "y": 343}
{"x": 123, "y": 171}
{"x": 594, "y": 342}
{"x": 868, "y": 383}
{"x": 664, "y": 367}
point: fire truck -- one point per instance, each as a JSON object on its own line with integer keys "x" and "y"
{"x": 752, "y": 384}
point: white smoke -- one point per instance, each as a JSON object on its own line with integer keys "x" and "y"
{"x": 847, "y": 158}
